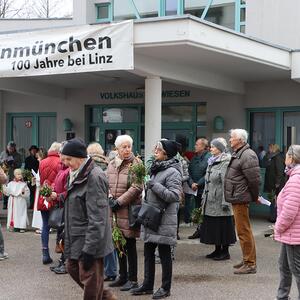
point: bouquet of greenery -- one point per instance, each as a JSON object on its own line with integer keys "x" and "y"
{"x": 27, "y": 176}
{"x": 118, "y": 238}
{"x": 197, "y": 216}
{"x": 46, "y": 190}
{"x": 137, "y": 173}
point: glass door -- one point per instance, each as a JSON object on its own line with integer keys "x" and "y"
{"x": 110, "y": 135}
{"x": 262, "y": 130}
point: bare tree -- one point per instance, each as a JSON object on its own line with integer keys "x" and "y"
{"x": 10, "y": 8}
{"x": 45, "y": 8}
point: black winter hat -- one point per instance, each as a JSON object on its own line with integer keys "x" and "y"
{"x": 33, "y": 147}
{"x": 75, "y": 147}
{"x": 170, "y": 147}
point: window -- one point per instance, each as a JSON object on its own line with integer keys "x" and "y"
{"x": 103, "y": 12}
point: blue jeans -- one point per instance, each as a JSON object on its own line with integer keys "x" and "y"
{"x": 45, "y": 229}
{"x": 110, "y": 264}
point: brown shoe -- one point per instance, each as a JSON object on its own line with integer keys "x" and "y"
{"x": 245, "y": 269}
{"x": 57, "y": 249}
{"x": 237, "y": 266}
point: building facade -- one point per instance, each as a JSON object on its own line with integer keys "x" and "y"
{"x": 199, "y": 68}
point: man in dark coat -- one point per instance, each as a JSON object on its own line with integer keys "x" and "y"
{"x": 197, "y": 170}
{"x": 88, "y": 235}
{"x": 31, "y": 163}
{"x": 241, "y": 187}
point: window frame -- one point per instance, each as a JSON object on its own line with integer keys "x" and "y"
{"x": 109, "y": 5}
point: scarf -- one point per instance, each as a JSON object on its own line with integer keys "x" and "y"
{"x": 159, "y": 165}
{"x": 212, "y": 159}
{"x": 119, "y": 160}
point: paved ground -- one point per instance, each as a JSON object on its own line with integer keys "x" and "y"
{"x": 24, "y": 277}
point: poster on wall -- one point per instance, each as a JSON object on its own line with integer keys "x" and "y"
{"x": 86, "y": 48}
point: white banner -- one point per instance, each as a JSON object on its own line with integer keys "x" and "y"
{"x": 86, "y": 48}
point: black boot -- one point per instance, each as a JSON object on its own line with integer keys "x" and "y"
{"x": 46, "y": 257}
{"x": 215, "y": 253}
{"x": 224, "y": 254}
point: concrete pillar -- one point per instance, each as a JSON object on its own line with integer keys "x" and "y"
{"x": 153, "y": 90}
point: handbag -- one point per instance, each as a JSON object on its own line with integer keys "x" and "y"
{"x": 56, "y": 217}
{"x": 133, "y": 212}
{"x": 150, "y": 216}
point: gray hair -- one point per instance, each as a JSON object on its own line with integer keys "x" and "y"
{"x": 121, "y": 139}
{"x": 241, "y": 134}
{"x": 55, "y": 147}
{"x": 95, "y": 148}
{"x": 294, "y": 153}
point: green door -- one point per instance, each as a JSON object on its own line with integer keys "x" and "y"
{"x": 109, "y": 133}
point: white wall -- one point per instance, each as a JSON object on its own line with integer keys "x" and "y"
{"x": 272, "y": 94}
{"x": 276, "y": 21}
{"x": 73, "y": 107}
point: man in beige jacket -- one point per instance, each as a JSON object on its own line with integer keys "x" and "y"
{"x": 3, "y": 255}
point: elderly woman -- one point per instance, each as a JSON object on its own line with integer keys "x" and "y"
{"x": 163, "y": 191}
{"x": 123, "y": 193}
{"x": 287, "y": 226}
{"x": 217, "y": 227}
{"x": 48, "y": 170}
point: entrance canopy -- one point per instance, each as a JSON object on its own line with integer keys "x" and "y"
{"x": 182, "y": 50}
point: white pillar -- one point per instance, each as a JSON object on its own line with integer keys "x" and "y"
{"x": 153, "y": 92}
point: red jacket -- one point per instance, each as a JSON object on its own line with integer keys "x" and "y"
{"x": 48, "y": 169}
{"x": 60, "y": 183}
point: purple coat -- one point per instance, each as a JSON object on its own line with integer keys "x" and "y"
{"x": 287, "y": 226}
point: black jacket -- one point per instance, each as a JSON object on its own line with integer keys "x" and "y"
{"x": 275, "y": 176}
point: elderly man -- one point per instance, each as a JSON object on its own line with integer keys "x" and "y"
{"x": 197, "y": 170}
{"x": 242, "y": 181}
{"x": 3, "y": 255}
{"x": 87, "y": 227}
{"x": 12, "y": 160}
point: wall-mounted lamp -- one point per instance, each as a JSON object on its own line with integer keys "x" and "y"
{"x": 67, "y": 124}
{"x": 219, "y": 123}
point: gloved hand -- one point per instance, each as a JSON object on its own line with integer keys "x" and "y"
{"x": 114, "y": 205}
{"x": 149, "y": 184}
{"x": 87, "y": 260}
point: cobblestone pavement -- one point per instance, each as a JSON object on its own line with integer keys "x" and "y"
{"x": 194, "y": 277}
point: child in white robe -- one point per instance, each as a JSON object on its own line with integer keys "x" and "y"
{"x": 19, "y": 194}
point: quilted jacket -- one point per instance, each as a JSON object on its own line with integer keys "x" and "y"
{"x": 287, "y": 226}
{"x": 48, "y": 169}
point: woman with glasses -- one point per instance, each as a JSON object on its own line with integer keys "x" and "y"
{"x": 163, "y": 191}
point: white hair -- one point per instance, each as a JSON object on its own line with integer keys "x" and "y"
{"x": 121, "y": 139}
{"x": 95, "y": 148}
{"x": 55, "y": 147}
{"x": 241, "y": 134}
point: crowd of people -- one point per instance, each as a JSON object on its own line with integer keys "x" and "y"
{"x": 98, "y": 194}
